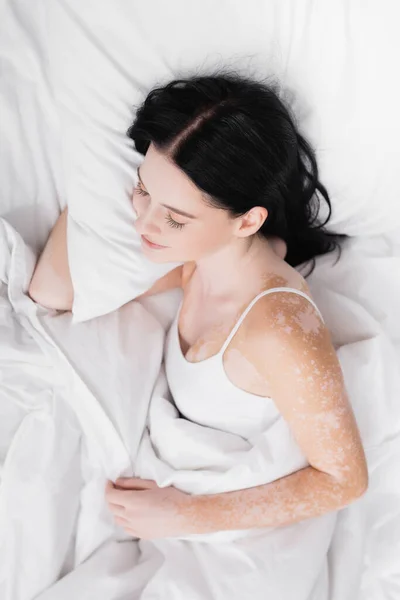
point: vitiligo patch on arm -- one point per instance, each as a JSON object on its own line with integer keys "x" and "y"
{"x": 290, "y": 351}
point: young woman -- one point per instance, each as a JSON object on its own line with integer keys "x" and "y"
{"x": 229, "y": 188}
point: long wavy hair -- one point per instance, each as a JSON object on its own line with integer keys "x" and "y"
{"x": 237, "y": 141}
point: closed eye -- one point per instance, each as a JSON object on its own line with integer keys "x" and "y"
{"x": 174, "y": 223}
{"x": 140, "y": 190}
{"x": 171, "y": 222}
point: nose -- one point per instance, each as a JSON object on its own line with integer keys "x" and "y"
{"x": 146, "y": 222}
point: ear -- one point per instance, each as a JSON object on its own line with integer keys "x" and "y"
{"x": 250, "y": 222}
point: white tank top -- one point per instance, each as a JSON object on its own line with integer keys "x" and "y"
{"x": 204, "y": 394}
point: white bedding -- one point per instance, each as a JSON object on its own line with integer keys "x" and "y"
{"x": 70, "y": 423}
{"x": 73, "y": 399}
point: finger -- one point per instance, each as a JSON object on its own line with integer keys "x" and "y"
{"x": 109, "y": 485}
{"x": 117, "y": 510}
{"x": 115, "y": 496}
{"x": 110, "y": 488}
{"x": 122, "y": 522}
{"x": 135, "y": 483}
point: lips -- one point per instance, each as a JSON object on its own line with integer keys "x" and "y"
{"x": 151, "y": 244}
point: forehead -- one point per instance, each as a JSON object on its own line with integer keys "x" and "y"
{"x": 166, "y": 183}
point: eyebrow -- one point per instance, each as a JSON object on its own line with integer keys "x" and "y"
{"x": 171, "y": 208}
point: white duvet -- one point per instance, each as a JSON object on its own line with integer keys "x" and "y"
{"x": 74, "y": 399}
{"x": 74, "y": 404}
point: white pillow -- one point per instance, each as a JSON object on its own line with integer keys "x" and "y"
{"x": 337, "y": 58}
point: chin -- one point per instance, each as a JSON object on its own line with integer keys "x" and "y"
{"x": 157, "y": 256}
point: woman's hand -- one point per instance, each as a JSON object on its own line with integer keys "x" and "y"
{"x": 147, "y": 511}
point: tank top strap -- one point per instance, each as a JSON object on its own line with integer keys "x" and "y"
{"x": 252, "y": 303}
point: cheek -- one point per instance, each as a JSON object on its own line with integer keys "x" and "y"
{"x": 213, "y": 228}
{"x": 217, "y": 232}
{"x": 199, "y": 240}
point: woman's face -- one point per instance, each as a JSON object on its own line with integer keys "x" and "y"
{"x": 173, "y": 219}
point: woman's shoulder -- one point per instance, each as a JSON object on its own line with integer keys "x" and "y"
{"x": 285, "y": 309}
{"x": 284, "y": 327}
{"x": 286, "y": 277}
{"x": 282, "y": 335}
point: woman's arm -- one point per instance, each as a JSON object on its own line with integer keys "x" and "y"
{"x": 51, "y": 283}
{"x": 302, "y": 495}
{"x": 304, "y": 378}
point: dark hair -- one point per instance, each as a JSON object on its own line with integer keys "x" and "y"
{"x": 236, "y": 140}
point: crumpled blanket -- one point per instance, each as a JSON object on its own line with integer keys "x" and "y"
{"x": 80, "y": 404}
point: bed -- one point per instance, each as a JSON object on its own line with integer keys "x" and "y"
{"x": 75, "y": 389}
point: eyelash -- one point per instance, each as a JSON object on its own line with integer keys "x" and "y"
{"x": 140, "y": 190}
{"x": 174, "y": 223}
{"x": 171, "y": 222}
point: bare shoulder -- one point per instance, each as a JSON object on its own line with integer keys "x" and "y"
{"x": 287, "y": 316}
{"x": 287, "y": 328}
{"x": 285, "y": 324}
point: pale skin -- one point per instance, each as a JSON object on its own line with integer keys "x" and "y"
{"x": 281, "y": 351}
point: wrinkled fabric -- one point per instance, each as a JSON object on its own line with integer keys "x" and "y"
{"x": 74, "y": 407}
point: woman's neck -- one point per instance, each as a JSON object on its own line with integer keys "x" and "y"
{"x": 236, "y": 268}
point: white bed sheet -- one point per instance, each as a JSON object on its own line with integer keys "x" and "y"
{"x": 68, "y": 423}
{"x": 62, "y": 434}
